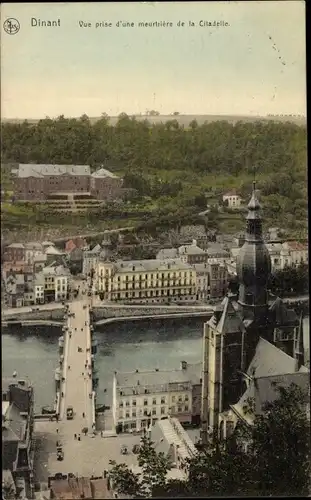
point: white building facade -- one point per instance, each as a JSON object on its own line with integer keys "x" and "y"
{"x": 234, "y": 200}
{"x": 142, "y": 398}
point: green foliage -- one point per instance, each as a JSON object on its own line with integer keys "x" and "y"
{"x": 173, "y": 164}
{"x": 281, "y": 445}
{"x": 290, "y": 280}
{"x": 276, "y": 461}
{"x": 154, "y": 467}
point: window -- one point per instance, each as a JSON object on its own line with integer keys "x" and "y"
{"x": 186, "y": 397}
{"x": 146, "y": 413}
{"x": 186, "y": 407}
{"x": 121, "y": 404}
{"x": 127, "y": 403}
{"x": 179, "y": 409}
{"x": 154, "y": 411}
{"x": 127, "y": 414}
{"x": 173, "y": 398}
{"x": 172, "y": 409}
{"x": 179, "y": 399}
{"x": 134, "y": 413}
{"x": 120, "y": 414}
{"x": 145, "y": 402}
{"x": 162, "y": 410}
{"x": 154, "y": 401}
{"x": 134, "y": 402}
{"x": 163, "y": 401}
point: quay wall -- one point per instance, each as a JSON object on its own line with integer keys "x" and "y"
{"x": 101, "y": 313}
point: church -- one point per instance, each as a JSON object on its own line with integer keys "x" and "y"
{"x": 251, "y": 343}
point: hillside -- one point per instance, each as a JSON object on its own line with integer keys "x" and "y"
{"x": 185, "y": 120}
{"x": 174, "y": 170}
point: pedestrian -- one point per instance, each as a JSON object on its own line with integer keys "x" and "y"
{"x": 62, "y": 394}
{"x": 75, "y": 436}
{"x": 82, "y": 374}
{"x": 68, "y": 367}
{"x": 79, "y": 438}
{"x": 57, "y": 430}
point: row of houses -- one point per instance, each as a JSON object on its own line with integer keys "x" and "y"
{"x": 17, "y": 437}
{"x": 282, "y": 254}
{"x": 34, "y": 273}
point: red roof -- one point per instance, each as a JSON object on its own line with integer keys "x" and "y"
{"x": 296, "y": 246}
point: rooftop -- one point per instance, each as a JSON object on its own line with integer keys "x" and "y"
{"x": 16, "y": 245}
{"x": 169, "y": 432}
{"x": 297, "y": 246}
{"x": 140, "y": 381}
{"x": 46, "y": 170}
{"x": 269, "y": 360}
{"x": 151, "y": 265}
{"x": 102, "y": 172}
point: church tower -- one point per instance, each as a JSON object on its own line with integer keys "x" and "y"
{"x": 253, "y": 267}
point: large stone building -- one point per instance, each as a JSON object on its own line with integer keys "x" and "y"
{"x": 240, "y": 324}
{"x": 17, "y": 430}
{"x": 35, "y": 182}
{"x": 141, "y": 398}
{"x": 146, "y": 281}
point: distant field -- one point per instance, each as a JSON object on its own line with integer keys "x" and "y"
{"x": 186, "y": 119}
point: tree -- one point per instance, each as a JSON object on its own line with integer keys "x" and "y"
{"x": 154, "y": 470}
{"x": 276, "y": 461}
{"x": 281, "y": 444}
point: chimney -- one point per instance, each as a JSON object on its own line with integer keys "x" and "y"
{"x": 184, "y": 365}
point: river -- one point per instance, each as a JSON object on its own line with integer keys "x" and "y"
{"x": 33, "y": 352}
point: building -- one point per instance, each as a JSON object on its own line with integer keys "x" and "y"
{"x": 141, "y": 398}
{"x": 17, "y": 430}
{"x": 293, "y": 253}
{"x": 234, "y": 331}
{"x": 32, "y": 250}
{"x": 34, "y": 182}
{"x": 233, "y": 199}
{"x": 274, "y": 250}
{"x": 56, "y": 283}
{"x": 15, "y": 252}
{"x": 144, "y": 281}
{"x": 269, "y": 369}
{"x": 76, "y": 243}
{"x": 217, "y": 252}
{"x": 212, "y": 279}
{"x": 171, "y": 439}
{"x": 14, "y": 290}
{"x": 105, "y": 185}
{"x": 90, "y": 259}
{"x": 192, "y": 254}
{"x": 38, "y": 287}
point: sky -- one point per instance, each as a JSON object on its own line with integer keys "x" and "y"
{"x": 252, "y": 64}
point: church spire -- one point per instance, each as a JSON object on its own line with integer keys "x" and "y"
{"x": 253, "y": 263}
{"x": 253, "y": 219}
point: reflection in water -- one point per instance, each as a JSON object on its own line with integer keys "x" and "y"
{"x": 121, "y": 347}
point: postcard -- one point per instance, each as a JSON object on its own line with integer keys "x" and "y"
{"x": 154, "y": 249}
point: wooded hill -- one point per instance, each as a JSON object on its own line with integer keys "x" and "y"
{"x": 172, "y": 164}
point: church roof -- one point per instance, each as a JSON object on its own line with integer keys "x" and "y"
{"x": 283, "y": 316}
{"x": 229, "y": 321}
{"x": 264, "y": 390}
{"x": 269, "y": 360}
{"x": 266, "y": 387}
